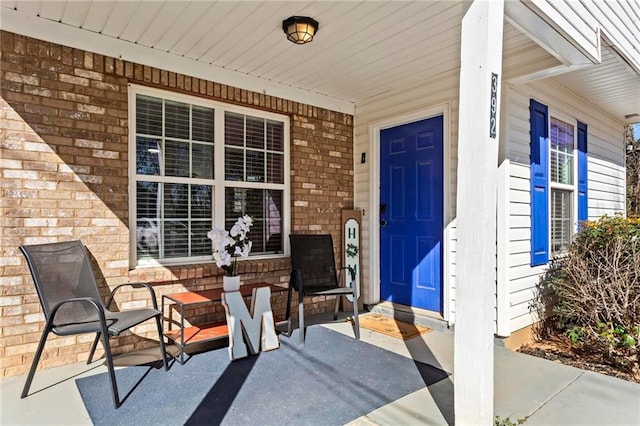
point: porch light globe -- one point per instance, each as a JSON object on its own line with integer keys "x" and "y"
{"x": 300, "y": 29}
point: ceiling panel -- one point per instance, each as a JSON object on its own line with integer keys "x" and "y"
{"x": 119, "y": 18}
{"x": 188, "y": 17}
{"x": 97, "y": 15}
{"x": 199, "y": 28}
{"x": 75, "y": 14}
{"x": 53, "y": 9}
{"x": 620, "y": 95}
{"x": 362, "y": 49}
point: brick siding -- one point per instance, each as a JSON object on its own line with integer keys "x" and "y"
{"x": 64, "y": 175}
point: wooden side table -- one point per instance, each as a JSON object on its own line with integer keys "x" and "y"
{"x": 199, "y": 333}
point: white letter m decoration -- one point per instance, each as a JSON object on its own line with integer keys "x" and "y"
{"x": 258, "y": 326}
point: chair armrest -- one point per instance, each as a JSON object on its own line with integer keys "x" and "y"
{"x": 134, "y": 285}
{"x": 351, "y": 272}
{"x": 90, "y": 300}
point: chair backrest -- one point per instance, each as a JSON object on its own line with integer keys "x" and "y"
{"x": 62, "y": 271}
{"x": 313, "y": 262}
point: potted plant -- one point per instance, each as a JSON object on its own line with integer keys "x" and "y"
{"x": 228, "y": 246}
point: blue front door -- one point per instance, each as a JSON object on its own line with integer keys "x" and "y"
{"x": 411, "y": 219}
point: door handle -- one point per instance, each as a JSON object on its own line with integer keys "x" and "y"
{"x": 383, "y": 223}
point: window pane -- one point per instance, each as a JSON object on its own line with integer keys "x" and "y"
{"x": 202, "y": 159}
{"x": 148, "y": 115}
{"x": 176, "y": 159}
{"x": 561, "y": 168}
{"x": 561, "y": 136}
{"x": 561, "y": 152}
{"x": 234, "y": 164}
{"x": 147, "y": 202}
{"x": 257, "y": 156}
{"x": 255, "y": 132}
{"x": 202, "y": 126}
{"x": 275, "y": 168}
{"x": 255, "y": 166}
{"x": 147, "y": 239}
{"x": 561, "y": 220}
{"x": 201, "y": 202}
{"x": 275, "y": 136}
{"x": 200, "y": 243}
{"x": 176, "y": 115}
{"x": 148, "y": 156}
{"x": 273, "y": 222}
{"x": 176, "y": 204}
{"x": 176, "y": 238}
{"x": 233, "y": 129}
{"x": 265, "y": 207}
{"x": 147, "y": 213}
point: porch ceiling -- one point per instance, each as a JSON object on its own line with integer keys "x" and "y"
{"x": 363, "y": 48}
{"x": 613, "y": 85}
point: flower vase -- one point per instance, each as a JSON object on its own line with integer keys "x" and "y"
{"x": 231, "y": 283}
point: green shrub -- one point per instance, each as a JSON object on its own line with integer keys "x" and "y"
{"x": 498, "y": 421}
{"x": 597, "y": 288}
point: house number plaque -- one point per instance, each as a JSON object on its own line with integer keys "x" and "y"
{"x": 494, "y": 105}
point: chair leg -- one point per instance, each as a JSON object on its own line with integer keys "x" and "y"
{"x": 34, "y": 363}
{"x": 301, "y": 328}
{"x": 112, "y": 372}
{"x": 356, "y": 324}
{"x": 287, "y": 315}
{"x": 162, "y": 349}
{"x": 93, "y": 348}
{"x": 336, "y": 308}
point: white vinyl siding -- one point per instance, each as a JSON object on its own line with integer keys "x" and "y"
{"x": 619, "y": 22}
{"x": 606, "y": 181}
{"x": 582, "y": 28}
{"x": 443, "y": 90}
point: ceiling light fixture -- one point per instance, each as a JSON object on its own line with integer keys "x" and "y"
{"x": 300, "y": 29}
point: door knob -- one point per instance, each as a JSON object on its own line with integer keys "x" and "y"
{"x": 383, "y": 223}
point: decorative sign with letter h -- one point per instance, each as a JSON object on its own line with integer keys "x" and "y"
{"x": 351, "y": 220}
{"x": 257, "y": 327}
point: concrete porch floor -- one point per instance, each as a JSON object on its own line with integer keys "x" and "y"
{"x": 545, "y": 392}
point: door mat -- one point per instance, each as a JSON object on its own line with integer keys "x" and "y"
{"x": 391, "y": 326}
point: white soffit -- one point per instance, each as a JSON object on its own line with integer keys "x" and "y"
{"x": 362, "y": 49}
{"x": 619, "y": 95}
{"x": 66, "y": 35}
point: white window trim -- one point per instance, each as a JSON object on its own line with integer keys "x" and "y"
{"x": 561, "y": 186}
{"x": 219, "y": 183}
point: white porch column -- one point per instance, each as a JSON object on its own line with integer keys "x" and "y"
{"x": 480, "y": 76}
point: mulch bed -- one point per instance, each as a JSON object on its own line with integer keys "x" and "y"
{"x": 558, "y": 348}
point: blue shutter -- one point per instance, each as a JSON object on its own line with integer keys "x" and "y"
{"x": 539, "y": 121}
{"x": 583, "y": 206}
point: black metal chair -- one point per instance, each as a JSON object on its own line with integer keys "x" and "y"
{"x": 72, "y": 304}
{"x": 313, "y": 273}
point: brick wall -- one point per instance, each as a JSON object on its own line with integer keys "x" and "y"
{"x": 64, "y": 175}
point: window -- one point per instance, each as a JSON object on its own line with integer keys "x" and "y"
{"x": 199, "y": 164}
{"x": 558, "y": 182}
{"x": 562, "y": 185}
